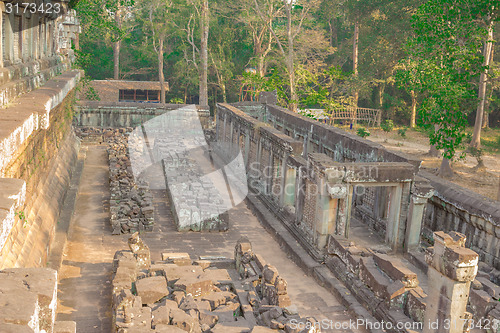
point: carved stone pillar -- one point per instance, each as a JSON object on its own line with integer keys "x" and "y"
{"x": 452, "y": 267}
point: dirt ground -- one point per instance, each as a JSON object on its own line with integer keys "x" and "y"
{"x": 484, "y": 182}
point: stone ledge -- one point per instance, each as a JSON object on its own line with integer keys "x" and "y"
{"x": 12, "y": 196}
{"x": 464, "y": 199}
{"x": 28, "y": 297}
{"x": 30, "y": 113}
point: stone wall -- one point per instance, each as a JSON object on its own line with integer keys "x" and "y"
{"x": 39, "y": 150}
{"x": 126, "y": 114}
{"x": 317, "y": 137}
{"x": 456, "y": 208}
{"x": 45, "y": 45}
{"x": 307, "y": 189}
{"x": 450, "y": 208}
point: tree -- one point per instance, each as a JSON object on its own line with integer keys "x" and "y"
{"x": 158, "y": 18}
{"x": 117, "y": 42}
{"x": 204, "y": 53}
{"x": 295, "y": 14}
{"x": 103, "y": 29}
{"x": 480, "y": 113}
{"x": 245, "y": 12}
{"x": 445, "y": 49}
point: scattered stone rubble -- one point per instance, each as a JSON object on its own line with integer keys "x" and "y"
{"x": 207, "y": 295}
{"x": 28, "y": 301}
{"x": 392, "y": 292}
{"x": 131, "y": 203}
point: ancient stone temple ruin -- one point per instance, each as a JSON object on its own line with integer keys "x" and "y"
{"x": 330, "y": 229}
{"x": 177, "y": 294}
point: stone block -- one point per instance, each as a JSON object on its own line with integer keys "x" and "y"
{"x": 65, "y": 327}
{"x": 140, "y": 319}
{"x": 281, "y": 286}
{"x": 481, "y": 303}
{"x": 217, "y": 276}
{"x": 227, "y": 312}
{"x": 346, "y": 251}
{"x": 196, "y": 285}
{"x": 152, "y": 289}
{"x": 373, "y": 278}
{"x": 260, "y": 261}
{"x": 161, "y": 315}
{"x": 219, "y": 298}
{"x": 180, "y": 259}
{"x": 395, "y": 270}
{"x": 184, "y": 321}
{"x": 270, "y": 273}
{"x": 13, "y": 328}
{"x": 415, "y": 305}
{"x": 208, "y": 318}
{"x": 140, "y": 250}
{"x": 43, "y": 283}
{"x": 173, "y": 272}
{"x": 19, "y": 307}
{"x": 163, "y": 328}
{"x": 490, "y": 287}
{"x": 284, "y": 301}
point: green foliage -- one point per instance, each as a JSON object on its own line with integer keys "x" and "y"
{"x": 387, "y": 125}
{"x": 308, "y": 114}
{"x": 443, "y": 62}
{"x": 22, "y": 217}
{"x": 363, "y": 132}
{"x": 240, "y": 39}
{"x": 402, "y": 132}
{"x": 176, "y": 100}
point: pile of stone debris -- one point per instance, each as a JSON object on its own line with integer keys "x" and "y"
{"x": 207, "y": 295}
{"x": 131, "y": 203}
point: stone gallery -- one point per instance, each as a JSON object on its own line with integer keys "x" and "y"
{"x": 252, "y": 219}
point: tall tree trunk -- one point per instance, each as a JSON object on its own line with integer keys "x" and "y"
{"x": 381, "y": 89}
{"x": 488, "y": 45}
{"x": 333, "y": 33}
{"x": 445, "y": 170}
{"x": 433, "y": 151}
{"x": 260, "y": 66}
{"x": 160, "y": 71}
{"x": 289, "y": 61}
{"x": 486, "y": 118}
{"x": 355, "y": 66}
{"x": 116, "y": 46}
{"x": 116, "y": 60}
{"x": 413, "y": 109}
{"x": 223, "y": 88}
{"x": 204, "y": 54}
{"x": 498, "y": 194}
{"x": 355, "y": 59}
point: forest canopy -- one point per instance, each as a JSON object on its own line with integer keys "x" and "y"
{"x": 316, "y": 53}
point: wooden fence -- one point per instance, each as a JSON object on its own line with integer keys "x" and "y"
{"x": 354, "y": 115}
